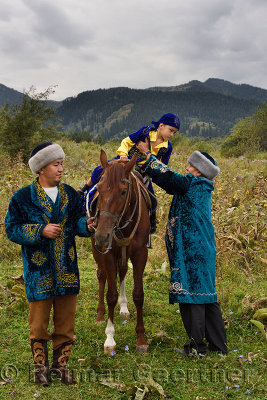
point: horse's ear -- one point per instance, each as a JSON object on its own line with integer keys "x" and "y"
{"x": 103, "y": 159}
{"x": 130, "y": 164}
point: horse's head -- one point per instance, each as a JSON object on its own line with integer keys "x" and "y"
{"x": 113, "y": 189}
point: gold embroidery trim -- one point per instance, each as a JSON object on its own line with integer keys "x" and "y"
{"x": 38, "y": 258}
{"x": 63, "y": 197}
{"x": 42, "y": 197}
{"x": 45, "y": 284}
{"x": 71, "y": 253}
{"x": 31, "y": 230}
{"x": 64, "y": 279}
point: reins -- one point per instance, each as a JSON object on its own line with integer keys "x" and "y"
{"x": 125, "y": 241}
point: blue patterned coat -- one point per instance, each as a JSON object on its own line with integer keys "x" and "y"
{"x": 190, "y": 238}
{"x": 49, "y": 265}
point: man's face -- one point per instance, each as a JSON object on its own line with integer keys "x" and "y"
{"x": 192, "y": 170}
{"x": 166, "y": 132}
{"x": 51, "y": 174}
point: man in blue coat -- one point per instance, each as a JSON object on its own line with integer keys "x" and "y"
{"x": 190, "y": 243}
{"x": 44, "y": 218}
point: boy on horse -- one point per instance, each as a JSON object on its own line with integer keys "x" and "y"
{"x": 159, "y": 145}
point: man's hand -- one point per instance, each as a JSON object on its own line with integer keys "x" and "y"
{"x": 143, "y": 146}
{"x": 91, "y": 224}
{"x": 51, "y": 231}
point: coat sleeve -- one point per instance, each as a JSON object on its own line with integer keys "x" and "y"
{"x": 18, "y": 230}
{"x": 125, "y": 146}
{"x": 132, "y": 139}
{"x": 141, "y": 134}
{"x": 166, "y": 158}
{"x": 169, "y": 180}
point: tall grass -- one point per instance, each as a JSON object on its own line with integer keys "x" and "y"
{"x": 238, "y": 213}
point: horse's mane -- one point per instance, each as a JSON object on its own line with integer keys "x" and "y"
{"x": 114, "y": 173}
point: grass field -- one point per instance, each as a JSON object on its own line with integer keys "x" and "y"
{"x": 238, "y": 212}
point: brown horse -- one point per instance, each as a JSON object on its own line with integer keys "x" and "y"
{"x": 122, "y": 232}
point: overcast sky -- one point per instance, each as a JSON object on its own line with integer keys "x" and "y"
{"x": 90, "y": 44}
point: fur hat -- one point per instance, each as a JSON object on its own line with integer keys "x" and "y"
{"x": 204, "y": 163}
{"x": 44, "y": 154}
{"x": 168, "y": 119}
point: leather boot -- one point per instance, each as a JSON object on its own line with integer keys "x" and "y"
{"x": 60, "y": 359}
{"x": 153, "y": 221}
{"x": 40, "y": 358}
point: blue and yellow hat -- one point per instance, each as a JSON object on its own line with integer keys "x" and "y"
{"x": 168, "y": 119}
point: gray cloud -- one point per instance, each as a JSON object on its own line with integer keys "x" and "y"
{"x": 53, "y": 24}
{"x": 136, "y": 43}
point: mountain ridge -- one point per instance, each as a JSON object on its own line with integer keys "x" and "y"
{"x": 206, "y": 109}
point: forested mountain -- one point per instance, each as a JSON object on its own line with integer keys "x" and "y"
{"x": 120, "y": 111}
{"x": 241, "y": 91}
{"x": 206, "y": 109}
{"x": 10, "y": 96}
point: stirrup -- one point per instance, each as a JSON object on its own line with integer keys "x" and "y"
{"x": 149, "y": 245}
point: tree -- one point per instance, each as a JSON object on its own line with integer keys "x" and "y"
{"x": 248, "y": 136}
{"x": 23, "y": 126}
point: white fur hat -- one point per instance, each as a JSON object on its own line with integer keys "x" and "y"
{"x": 44, "y": 154}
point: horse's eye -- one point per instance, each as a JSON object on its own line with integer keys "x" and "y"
{"x": 123, "y": 192}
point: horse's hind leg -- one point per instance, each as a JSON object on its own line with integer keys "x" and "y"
{"x": 139, "y": 261}
{"x": 124, "y": 312}
{"x": 101, "y": 275}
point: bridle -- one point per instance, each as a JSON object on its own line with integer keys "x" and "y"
{"x": 116, "y": 230}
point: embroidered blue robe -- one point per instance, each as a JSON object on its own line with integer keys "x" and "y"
{"x": 49, "y": 265}
{"x": 190, "y": 238}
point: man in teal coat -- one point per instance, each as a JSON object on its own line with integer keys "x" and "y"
{"x": 190, "y": 243}
{"x": 44, "y": 218}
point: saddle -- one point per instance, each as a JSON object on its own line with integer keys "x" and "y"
{"x": 150, "y": 198}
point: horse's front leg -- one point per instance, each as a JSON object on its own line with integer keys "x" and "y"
{"x": 139, "y": 259}
{"x": 101, "y": 276}
{"x": 112, "y": 298}
{"x": 124, "y": 312}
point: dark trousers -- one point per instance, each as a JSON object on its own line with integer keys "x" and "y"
{"x": 203, "y": 320}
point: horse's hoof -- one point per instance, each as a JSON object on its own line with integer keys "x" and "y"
{"x": 99, "y": 321}
{"x": 125, "y": 315}
{"x": 143, "y": 348}
{"x": 110, "y": 350}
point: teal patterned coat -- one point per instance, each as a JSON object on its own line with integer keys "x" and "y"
{"x": 190, "y": 238}
{"x": 49, "y": 265}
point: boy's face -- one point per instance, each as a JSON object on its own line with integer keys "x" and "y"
{"x": 166, "y": 132}
{"x": 192, "y": 170}
{"x": 51, "y": 174}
